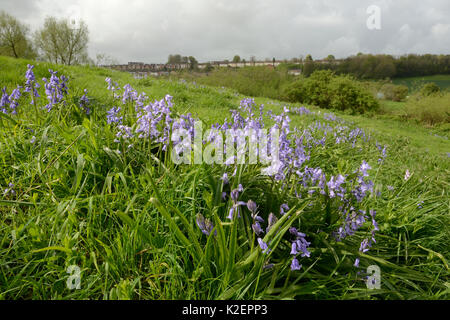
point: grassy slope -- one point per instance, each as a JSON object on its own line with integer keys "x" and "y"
{"x": 111, "y": 250}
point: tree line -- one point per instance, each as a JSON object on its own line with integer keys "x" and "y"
{"x": 179, "y": 59}
{"x": 57, "y": 41}
{"x": 382, "y": 66}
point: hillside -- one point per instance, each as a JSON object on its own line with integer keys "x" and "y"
{"x": 98, "y": 190}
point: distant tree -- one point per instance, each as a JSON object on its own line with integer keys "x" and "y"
{"x": 102, "y": 59}
{"x": 244, "y": 62}
{"x": 308, "y": 66}
{"x": 193, "y": 63}
{"x": 14, "y": 40}
{"x": 330, "y": 58}
{"x": 236, "y": 59}
{"x": 429, "y": 89}
{"x": 385, "y": 67}
{"x": 59, "y": 41}
{"x": 174, "y": 59}
{"x": 208, "y": 67}
{"x": 253, "y": 60}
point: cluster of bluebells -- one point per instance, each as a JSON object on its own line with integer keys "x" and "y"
{"x": 113, "y": 86}
{"x": 10, "y": 190}
{"x": 332, "y": 117}
{"x": 112, "y": 116}
{"x": 293, "y": 159}
{"x": 298, "y": 246}
{"x": 154, "y": 121}
{"x": 368, "y": 243}
{"x": 129, "y": 94}
{"x": 55, "y": 89}
{"x": 9, "y": 103}
{"x": 382, "y": 150}
{"x": 4, "y": 101}
{"x": 301, "y": 111}
{"x": 256, "y": 226}
{"x": 84, "y": 102}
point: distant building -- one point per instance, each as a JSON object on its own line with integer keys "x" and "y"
{"x": 295, "y": 72}
{"x": 141, "y": 68}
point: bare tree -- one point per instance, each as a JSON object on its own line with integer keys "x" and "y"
{"x": 13, "y": 38}
{"x": 59, "y": 41}
{"x": 103, "y": 59}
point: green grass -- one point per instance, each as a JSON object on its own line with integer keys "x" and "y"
{"x": 413, "y": 83}
{"x": 126, "y": 217}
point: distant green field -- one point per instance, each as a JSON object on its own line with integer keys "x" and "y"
{"x": 443, "y": 81}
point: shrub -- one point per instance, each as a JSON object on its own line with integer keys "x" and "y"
{"x": 394, "y": 92}
{"x": 347, "y": 93}
{"x": 325, "y": 89}
{"x": 432, "y": 109}
{"x": 429, "y": 89}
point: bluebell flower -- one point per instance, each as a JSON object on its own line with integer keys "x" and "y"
{"x": 271, "y": 221}
{"x": 234, "y": 198}
{"x": 284, "y": 208}
{"x": 225, "y": 178}
{"x": 112, "y": 116}
{"x": 205, "y": 225}
{"x": 84, "y": 101}
{"x": 9, "y": 190}
{"x": 251, "y": 205}
{"x": 31, "y": 85}
{"x": 257, "y": 228}
{"x": 264, "y": 247}
{"x": 295, "y": 265}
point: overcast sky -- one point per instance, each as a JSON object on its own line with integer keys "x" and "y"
{"x": 148, "y": 31}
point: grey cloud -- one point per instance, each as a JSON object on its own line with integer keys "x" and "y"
{"x": 148, "y": 31}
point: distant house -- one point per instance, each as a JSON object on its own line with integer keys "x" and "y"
{"x": 141, "y": 67}
{"x": 295, "y": 72}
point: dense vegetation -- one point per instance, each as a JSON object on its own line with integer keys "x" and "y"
{"x": 368, "y": 66}
{"x": 87, "y": 182}
{"x": 251, "y": 81}
{"x": 343, "y": 92}
{"x": 326, "y": 90}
